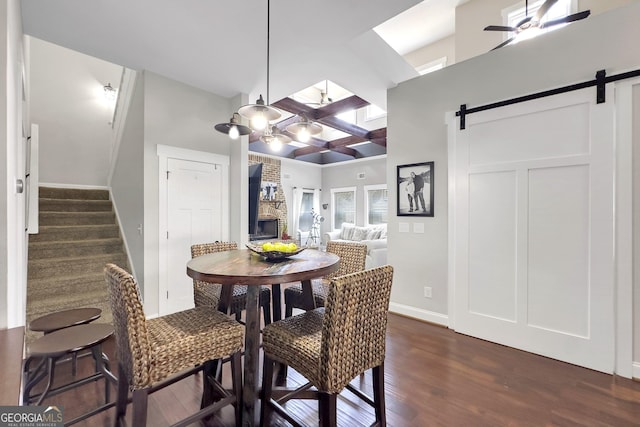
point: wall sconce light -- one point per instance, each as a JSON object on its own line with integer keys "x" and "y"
{"x": 109, "y": 92}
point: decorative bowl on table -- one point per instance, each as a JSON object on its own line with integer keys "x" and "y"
{"x": 276, "y": 251}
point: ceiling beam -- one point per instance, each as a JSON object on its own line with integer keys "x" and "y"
{"x": 351, "y": 103}
{"x": 345, "y": 150}
{"x": 347, "y": 140}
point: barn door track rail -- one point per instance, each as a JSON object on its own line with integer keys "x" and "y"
{"x": 600, "y": 82}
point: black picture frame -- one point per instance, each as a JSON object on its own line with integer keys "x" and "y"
{"x": 409, "y": 201}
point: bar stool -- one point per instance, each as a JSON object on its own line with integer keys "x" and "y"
{"x": 54, "y": 345}
{"x": 64, "y": 319}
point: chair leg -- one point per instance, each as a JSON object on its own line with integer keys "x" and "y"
{"x": 266, "y": 312}
{"x": 140, "y": 398}
{"x": 236, "y": 379}
{"x": 378, "y": 395}
{"x": 327, "y": 409}
{"x": 51, "y": 365}
{"x": 288, "y": 310}
{"x": 267, "y": 387}
{"x": 122, "y": 396}
{"x": 208, "y": 375}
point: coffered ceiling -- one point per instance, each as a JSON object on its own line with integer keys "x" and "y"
{"x": 340, "y": 114}
{"x": 220, "y": 46}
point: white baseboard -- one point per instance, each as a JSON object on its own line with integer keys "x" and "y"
{"x": 636, "y": 371}
{"x": 74, "y": 186}
{"x": 418, "y": 313}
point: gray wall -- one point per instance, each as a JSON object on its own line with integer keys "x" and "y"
{"x": 127, "y": 183}
{"x": 178, "y": 115}
{"x": 417, "y": 131}
{"x": 346, "y": 175}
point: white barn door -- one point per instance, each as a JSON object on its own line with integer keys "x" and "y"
{"x": 533, "y": 228}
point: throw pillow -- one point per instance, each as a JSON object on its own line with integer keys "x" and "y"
{"x": 373, "y": 234}
{"x": 359, "y": 233}
{"x": 347, "y": 231}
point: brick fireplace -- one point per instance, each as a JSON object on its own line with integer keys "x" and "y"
{"x": 272, "y": 214}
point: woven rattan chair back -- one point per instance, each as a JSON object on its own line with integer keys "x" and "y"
{"x": 132, "y": 340}
{"x": 352, "y": 257}
{"x": 354, "y": 326}
{"x": 205, "y": 293}
{"x": 155, "y": 353}
{"x": 332, "y": 345}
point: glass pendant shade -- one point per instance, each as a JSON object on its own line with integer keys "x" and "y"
{"x": 274, "y": 139}
{"x": 259, "y": 114}
{"x": 304, "y": 129}
{"x": 233, "y": 128}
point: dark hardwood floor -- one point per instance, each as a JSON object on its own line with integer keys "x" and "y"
{"x": 434, "y": 377}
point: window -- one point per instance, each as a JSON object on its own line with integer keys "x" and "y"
{"x": 305, "y": 220}
{"x": 348, "y": 116}
{"x": 343, "y": 206}
{"x": 375, "y": 204}
{"x": 373, "y": 112}
{"x": 514, "y": 14}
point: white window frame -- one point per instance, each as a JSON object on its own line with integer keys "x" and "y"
{"x": 353, "y": 190}
{"x": 368, "y": 188}
{"x": 305, "y": 191}
{"x": 373, "y": 112}
{"x": 432, "y": 66}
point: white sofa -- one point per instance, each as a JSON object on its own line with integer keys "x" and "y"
{"x": 374, "y": 236}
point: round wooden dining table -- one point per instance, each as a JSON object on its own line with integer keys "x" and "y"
{"x": 244, "y": 267}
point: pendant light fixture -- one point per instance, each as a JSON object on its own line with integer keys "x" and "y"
{"x": 260, "y": 114}
{"x": 304, "y": 129}
{"x": 274, "y": 139}
{"x": 234, "y": 129}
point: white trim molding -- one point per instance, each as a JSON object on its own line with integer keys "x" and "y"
{"x": 420, "y": 314}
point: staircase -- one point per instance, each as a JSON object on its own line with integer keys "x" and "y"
{"x": 78, "y": 235}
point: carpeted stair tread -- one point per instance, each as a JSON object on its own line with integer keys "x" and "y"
{"x": 76, "y": 218}
{"x": 78, "y": 235}
{"x": 52, "y": 267}
{"x": 72, "y": 193}
{"x": 64, "y": 284}
{"x": 62, "y": 205}
{"x": 79, "y": 232}
{"x": 74, "y": 248}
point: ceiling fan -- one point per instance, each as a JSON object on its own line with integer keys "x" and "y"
{"x": 529, "y": 23}
{"x": 325, "y": 99}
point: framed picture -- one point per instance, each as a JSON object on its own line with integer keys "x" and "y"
{"x": 268, "y": 190}
{"x": 415, "y": 189}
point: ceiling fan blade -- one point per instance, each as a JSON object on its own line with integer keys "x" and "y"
{"x": 570, "y": 18}
{"x": 504, "y": 43}
{"x": 499, "y": 28}
{"x": 542, "y": 10}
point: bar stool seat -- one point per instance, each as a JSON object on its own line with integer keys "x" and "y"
{"x": 64, "y": 319}
{"x": 54, "y": 345}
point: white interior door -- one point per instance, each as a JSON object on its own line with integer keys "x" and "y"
{"x": 194, "y": 215}
{"x": 533, "y": 233}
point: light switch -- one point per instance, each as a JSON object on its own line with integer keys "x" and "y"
{"x": 403, "y": 227}
{"x": 418, "y": 227}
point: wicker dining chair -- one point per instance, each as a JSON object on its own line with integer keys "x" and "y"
{"x": 352, "y": 259}
{"x": 210, "y": 294}
{"x": 155, "y": 353}
{"x": 331, "y": 345}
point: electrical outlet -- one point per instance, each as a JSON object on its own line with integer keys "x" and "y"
{"x": 427, "y": 292}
